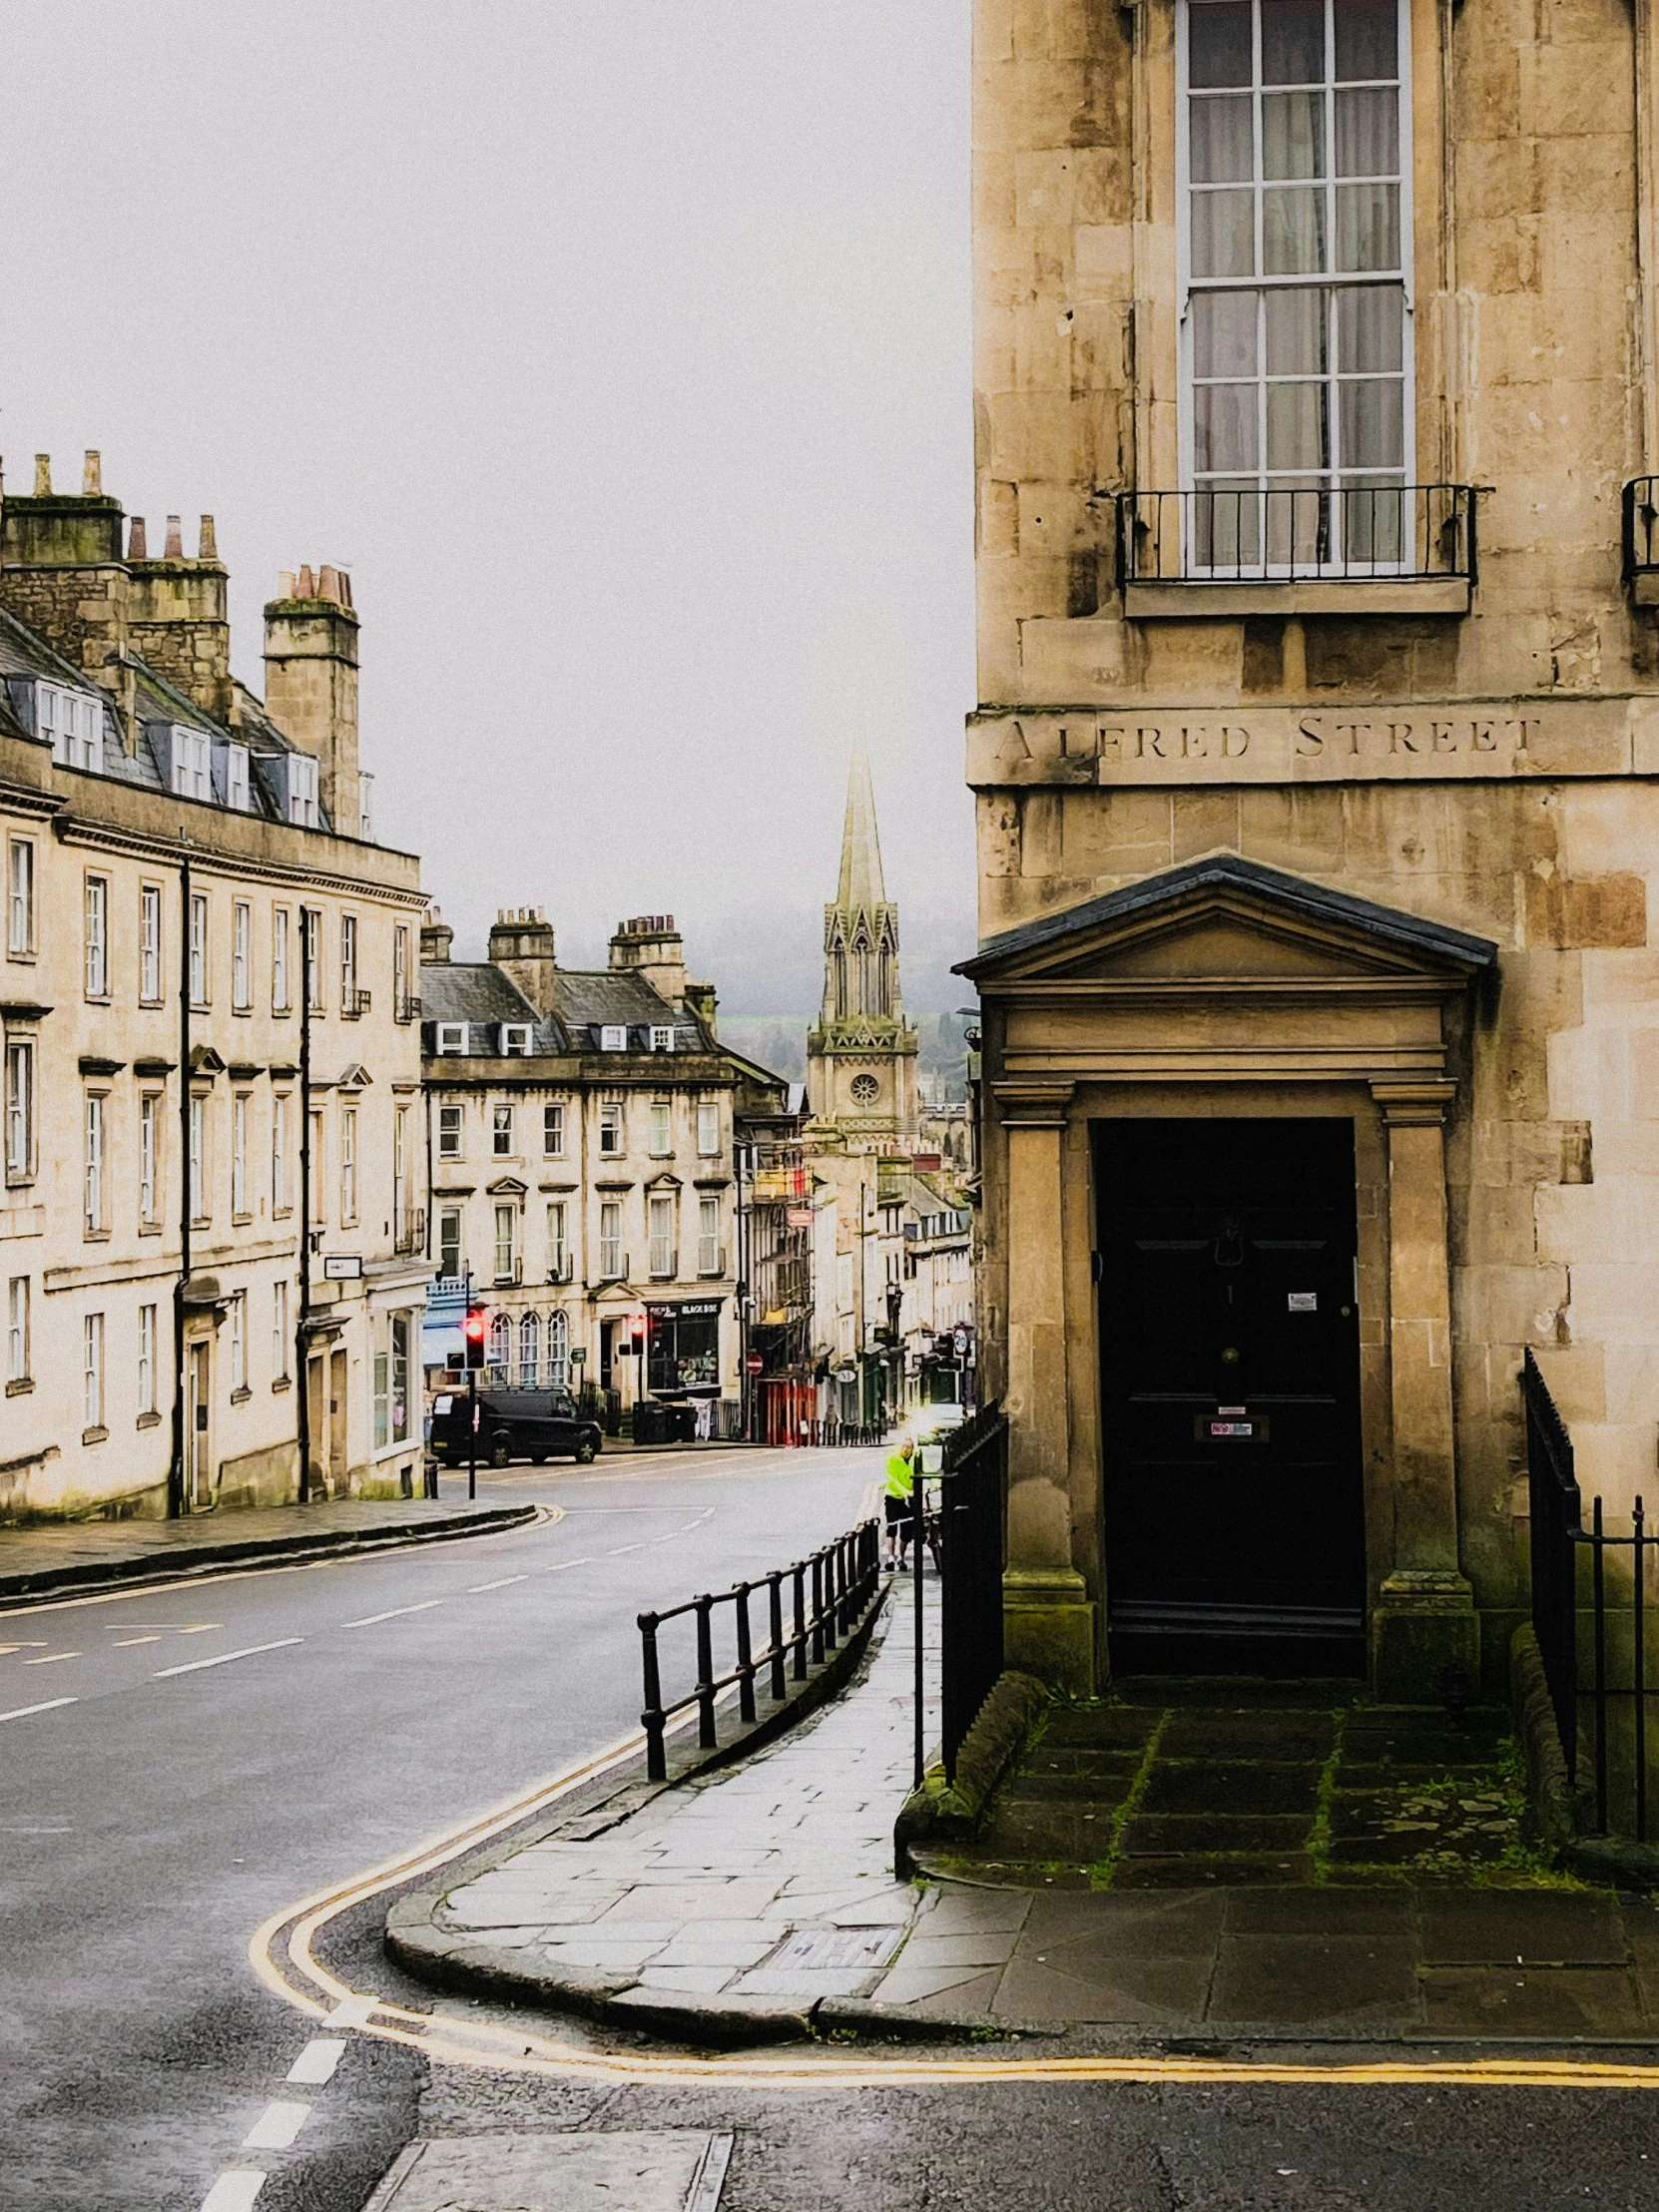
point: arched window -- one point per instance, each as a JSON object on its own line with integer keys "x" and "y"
{"x": 529, "y": 1351}
{"x": 862, "y": 948}
{"x": 501, "y": 1348}
{"x": 841, "y": 981}
{"x": 884, "y": 982}
{"x": 558, "y": 1351}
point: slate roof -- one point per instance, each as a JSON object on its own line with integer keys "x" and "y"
{"x": 474, "y": 990}
{"x": 1229, "y": 872}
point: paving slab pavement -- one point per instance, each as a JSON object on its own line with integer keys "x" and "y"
{"x": 80, "y": 1555}
{"x": 767, "y": 1889}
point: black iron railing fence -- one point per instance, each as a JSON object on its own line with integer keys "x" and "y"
{"x": 1351, "y": 532}
{"x": 971, "y": 1491}
{"x": 1616, "y": 1626}
{"x": 1641, "y": 527}
{"x": 829, "y": 1593}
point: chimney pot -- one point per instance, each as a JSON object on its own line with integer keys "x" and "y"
{"x": 306, "y": 587}
{"x": 327, "y": 585}
{"x": 43, "y": 475}
{"x": 91, "y": 475}
{"x": 174, "y": 541}
{"x": 207, "y": 545}
{"x": 285, "y": 583}
{"x": 138, "y": 545}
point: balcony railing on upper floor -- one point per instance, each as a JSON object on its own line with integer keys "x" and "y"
{"x": 1641, "y": 539}
{"x": 1352, "y": 532}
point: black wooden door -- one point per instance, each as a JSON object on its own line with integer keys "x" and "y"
{"x": 1229, "y": 1350}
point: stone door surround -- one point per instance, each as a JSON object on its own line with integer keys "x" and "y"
{"x": 1222, "y": 972}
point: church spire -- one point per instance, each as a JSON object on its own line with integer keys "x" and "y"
{"x": 861, "y": 879}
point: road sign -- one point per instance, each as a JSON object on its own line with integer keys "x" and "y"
{"x": 798, "y": 1217}
{"x": 847, "y": 1374}
{"x": 754, "y": 1363}
{"x": 342, "y": 1267}
{"x": 578, "y": 1356}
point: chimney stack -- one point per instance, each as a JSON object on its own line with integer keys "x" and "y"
{"x": 435, "y": 937}
{"x": 310, "y": 685}
{"x": 651, "y": 947}
{"x": 180, "y": 617}
{"x": 521, "y": 946}
{"x": 61, "y": 570}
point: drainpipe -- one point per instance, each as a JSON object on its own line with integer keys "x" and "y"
{"x": 187, "y": 1201}
{"x": 301, "y": 1331}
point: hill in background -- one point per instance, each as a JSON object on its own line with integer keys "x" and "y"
{"x": 779, "y": 1043}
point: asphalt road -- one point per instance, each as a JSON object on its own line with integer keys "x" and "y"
{"x": 203, "y": 1756}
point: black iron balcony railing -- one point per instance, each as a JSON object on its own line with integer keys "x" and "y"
{"x": 1348, "y": 533}
{"x": 1641, "y": 531}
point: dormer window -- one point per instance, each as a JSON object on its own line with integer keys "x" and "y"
{"x": 73, "y": 725}
{"x": 662, "y": 1040}
{"x": 231, "y": 775}
{"x": 515, "y": 1036}
{"x": 613, "y": 1038}
{"x": 300, "y": 785}
{"x": 451, "y": 1036}
{"x": 189, "y": 762}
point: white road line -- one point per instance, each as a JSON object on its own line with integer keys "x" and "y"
{"x": 620, "y": 1549}
{"x": 474, "y": 1588}
{"x": 278, "y": 2125}
{"x": 51, "y": 1659}
{"x": 200, "y": 1628}
{"x": 233, "y": 2191}
{"x": 122, "y": 1643}
{"x": 223, "y": 1658}
{"x": 30, "y": 1643}
{"x": 368, "y": 1620}
{"x": 317, "y": 2063}
{"x": 558, "y": 1565}
{"x": 48, "y": 1705}
{"x": 353, "y": 2011}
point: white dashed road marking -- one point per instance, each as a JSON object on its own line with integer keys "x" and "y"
{"x": 223, "y": 1658}
{"x": 47, "y": 1705}
{"x": 51, "y": 1659}
{"x": 474, "y": 1588}
{"x": 369, "y": 1619}
{"x": 620, "y": 1548}
{"x": 278, "y": 2125}
{"x": 317, "y": 2063}
{"x": 234, "y": 2192}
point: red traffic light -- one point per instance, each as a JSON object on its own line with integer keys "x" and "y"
{"x": 472, "y": 1329}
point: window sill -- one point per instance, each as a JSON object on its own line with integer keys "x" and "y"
{"x": 98, "y": 999}
{"x": 94, "y": 1435}
{"x": 23, "y": 960}
{"x": 149, "y": 1228}
{"x": 94, "y": 1236}
{"x": 240, "y": 1220}
{"x": 1191, "y": 601}
{"x": 283, "y": 1382}
{"x": 20, "y": 1386}
{"x": 241, "y": 1395}
{"x": 148, "y": 1420}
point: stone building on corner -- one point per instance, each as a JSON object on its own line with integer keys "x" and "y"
{"x": 1316, "y": 415}
{"x": 175, "y": 1338}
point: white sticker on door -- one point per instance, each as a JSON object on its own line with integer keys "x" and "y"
{"x": 1305, "y": 1302}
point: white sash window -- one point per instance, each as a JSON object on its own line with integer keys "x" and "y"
{"x": 1294, "y": 146}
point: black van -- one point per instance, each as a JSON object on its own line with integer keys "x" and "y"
{"x": 513, "y": 1424}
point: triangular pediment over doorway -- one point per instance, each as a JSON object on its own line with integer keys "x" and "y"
{"x": 1228, "y": 920}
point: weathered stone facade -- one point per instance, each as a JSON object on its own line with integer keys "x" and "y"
{"x": 1466, "y": 732}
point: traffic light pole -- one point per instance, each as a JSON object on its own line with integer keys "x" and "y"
{"x": 472, "y": 1432}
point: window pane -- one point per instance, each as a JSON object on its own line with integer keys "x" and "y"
{"x": 1367, "y": 134}
{"x": 1376, "y": 522}
{"x": 1227, "y": 527}
{"x": 1367, "y": 39}
{"x": 1293, "y": 132}
{"x": 1224, "y": 428}
{"x": 1296, "y": 334}
{"x": 1367, "y": 226}
{"x": 1221, "y": 141}
{"x": 1298, "y": 428}
{"x": 1292, "y": 230}
{"x": 1224, "y": 243}
{"x": 1298, "y": 525}
{"x": 1293, "y": 42}
{"x": 1218, "y": 48}
{"x": 1223, "y": 333}
{"x": 1373, "y": 423}
{"x": 1371, "y": 328}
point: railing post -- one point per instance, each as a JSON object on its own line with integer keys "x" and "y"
{"x": 1639, "y": 1657}
{"x": 830, "y": 1599}
{"x": 746, "y": 1663}
{"x": 651, "y": 1720}
{"x": 706, "y": 1736}
{"x": 1599, "y": 1585}
{"x": 818, "y": 1608}
{"x": 799, "y": 1575}
{"x": 774, "y": 1632}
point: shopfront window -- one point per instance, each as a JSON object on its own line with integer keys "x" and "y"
{"x": 684, "y": 1346}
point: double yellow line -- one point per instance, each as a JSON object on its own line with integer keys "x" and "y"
{"x": 284, "y": 1955}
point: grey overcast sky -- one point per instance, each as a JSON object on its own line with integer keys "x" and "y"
{"x": 619, "y": 346}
